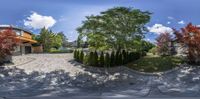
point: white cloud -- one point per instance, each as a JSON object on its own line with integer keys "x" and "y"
{"x": 37, "y": 21}
{"x": 159, "y": 28}
{"x": 168, "y": 22}
{"x": 181, "y": 22}
{"x": 169, "y": 17}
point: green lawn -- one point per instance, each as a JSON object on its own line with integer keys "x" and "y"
{"x": 152, "y": 63}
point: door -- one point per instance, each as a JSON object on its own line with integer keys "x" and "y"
{"x": 27, "y": 49}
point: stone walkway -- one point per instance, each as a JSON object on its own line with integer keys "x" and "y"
{"x": 57, "y": 75}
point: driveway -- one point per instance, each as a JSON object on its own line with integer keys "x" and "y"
{"x": 57, "y": 75}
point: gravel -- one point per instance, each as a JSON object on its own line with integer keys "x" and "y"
{"x": 57, "y": 75}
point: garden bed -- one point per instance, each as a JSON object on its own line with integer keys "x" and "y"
{"x": 153, "y": 63}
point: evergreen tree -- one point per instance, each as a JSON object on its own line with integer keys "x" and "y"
{"x": 117, "y": 57}
{"x": 96, "y": 59}
{"x": 91, "y": 59}
{"x": 101, "y": 60}
{"x": 124, "y": 57}
{"x": 120, "y": 59}
{"x": 81, "y": 56}
{"x": 74, "y": 54}
{"x": 77, "y": 56}
{"x": 112, "y": 59}
{"x": 107, "y": 60}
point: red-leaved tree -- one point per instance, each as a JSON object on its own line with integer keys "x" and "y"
{"x": 163, "y": 42}
{"x": 8, "y": 40}
{"x": 190, "y": 37}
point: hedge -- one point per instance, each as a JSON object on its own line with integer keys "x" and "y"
{"x": 115, "y": 58}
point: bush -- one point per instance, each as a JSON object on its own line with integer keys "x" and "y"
{"x": 124, "y": 57}
{"x": 53, "y": 50}
{"x": 153, "y": 50}
{"x": 120, "y": 59}
{"x": 74, "y": 54}
{"x": 107, "y": 60}
{"x": 77, "y": 56}
{"x": 112, "y": 59}
{"x": 96, "y": 63}
{"x": 81, "y": 56}
{"x": 117, "y": 58}
{"x": 101, "y": 59}
{"x": 91, "y": 59}
{"x": 86, "y": 60}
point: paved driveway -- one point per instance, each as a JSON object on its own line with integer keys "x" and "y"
{"x": 57, "y": 75}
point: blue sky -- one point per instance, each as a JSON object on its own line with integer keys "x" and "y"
{"x": 67, "y": 15}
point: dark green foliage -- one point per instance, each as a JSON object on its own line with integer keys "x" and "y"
{"x": 112, "y": 59}
{"x": 91, "y": 59}
{"x": 120, "y": 59}
{"x": 81, "y": 56}
{"x": 77, "y": 56}
{"x": 107, "y": 60}
{"x": 117, "y": 57}
{"x": 96, "y": 63}
{"x": 101, "y": 59}
{"x": 124, "y": 58}
{"x": 74, "y": 54}
{"x": 86, "y": 59}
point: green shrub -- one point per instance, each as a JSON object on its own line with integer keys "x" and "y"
{"x": 91, "y": 59}
{"x": 81, "y": 56}
{"x": 112, "y": 59}
{"x": 153, "y": 50}
{"x": 135, "y": 55}
{"x": 77, "y": 55}
{"x": 74, "y": 54}
{"x": 124, "y": 57}
{"x": 120, "y": 59}
{"x": 101, "y": 60}
{"x": 117, "y": 58}
{"x": 86, "y": 59}
{"x": 107, "y": 60}
{"x": 96, "y": 63}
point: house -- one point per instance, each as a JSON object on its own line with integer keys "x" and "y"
{"x": 25, "y": 38}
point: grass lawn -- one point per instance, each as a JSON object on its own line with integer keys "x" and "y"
{"x": 153, "y": 63}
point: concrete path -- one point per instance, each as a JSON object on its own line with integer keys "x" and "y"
{"x": 42, "y": 76}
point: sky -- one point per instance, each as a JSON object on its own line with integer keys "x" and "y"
{"x": 67, "y": 15}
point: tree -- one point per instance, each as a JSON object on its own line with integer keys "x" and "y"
{"x": 56, "y": 41}
{"x": 8, "y": 40}
{"x": 190, "y": 36}
{"x": 64, "y": 39}
{"x": 163, "y": 44}
{"x": 49, "y": 40}
{"x": 115, "y": 28}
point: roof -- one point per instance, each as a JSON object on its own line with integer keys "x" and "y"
{"x": 15, "y": 27}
